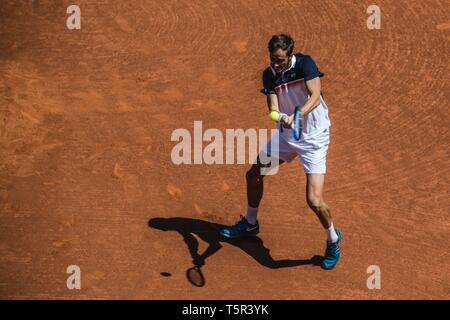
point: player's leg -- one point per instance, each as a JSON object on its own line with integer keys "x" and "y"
{"x": 248, "y": 225}
{"x": 255, "y": 182}
{"x": 276, "y": 152}
{"x": 313, "y": 155}
{"x": 314, "y": 195}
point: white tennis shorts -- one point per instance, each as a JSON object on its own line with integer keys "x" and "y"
{"x": 312, "y": 151}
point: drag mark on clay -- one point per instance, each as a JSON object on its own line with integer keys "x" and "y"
{"x": 174, "y": 191}
{"x": 444, "y": 26}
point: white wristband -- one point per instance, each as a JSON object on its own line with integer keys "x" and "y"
{"x": 281, "y": 116}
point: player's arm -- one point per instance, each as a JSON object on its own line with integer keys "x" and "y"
{"x": 272, "y": 98}
{"x": 315, "y": 88}
{"x": 312, "y": 79}
{"x": 274, "y": 110}
{"x": 272, "y": 102}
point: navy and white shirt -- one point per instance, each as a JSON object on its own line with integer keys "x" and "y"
{"x": 290, "y": 87}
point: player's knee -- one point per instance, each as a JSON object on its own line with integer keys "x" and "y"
{"x": 314, "y": 202}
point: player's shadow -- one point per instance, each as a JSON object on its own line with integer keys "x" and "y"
{"x": 209, "y": 232}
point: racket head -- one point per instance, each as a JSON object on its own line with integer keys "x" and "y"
{"x": 195, "y": 276}
{"x": 297, "y": 124}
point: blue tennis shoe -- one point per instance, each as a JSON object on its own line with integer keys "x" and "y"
{"x": 332, "y": 253}
{"x": 241, "y": 229}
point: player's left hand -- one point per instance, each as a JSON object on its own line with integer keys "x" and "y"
{"x": 287, "y": 121}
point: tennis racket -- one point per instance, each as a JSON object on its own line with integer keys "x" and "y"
{"x": 297, "y": 124}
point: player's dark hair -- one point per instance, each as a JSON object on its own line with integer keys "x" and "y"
{"x": 281, "y": 41}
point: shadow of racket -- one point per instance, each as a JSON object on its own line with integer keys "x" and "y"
{"x": 195, "y": 276}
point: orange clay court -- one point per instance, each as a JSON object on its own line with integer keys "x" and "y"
{"x": 85, "y": 166}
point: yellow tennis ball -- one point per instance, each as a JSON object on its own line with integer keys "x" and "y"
{"x": 274, "y": 115}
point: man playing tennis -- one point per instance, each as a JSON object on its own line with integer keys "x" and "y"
{"x": 293, "y": 80}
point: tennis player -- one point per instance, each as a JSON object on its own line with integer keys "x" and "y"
{"x": 290, "y": 80}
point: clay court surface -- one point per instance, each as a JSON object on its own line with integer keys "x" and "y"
{"x": 86, "y": 121}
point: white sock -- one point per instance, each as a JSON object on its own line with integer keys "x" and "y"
{"x": 331, "y": 234}
{"x": 251, "y": 215}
